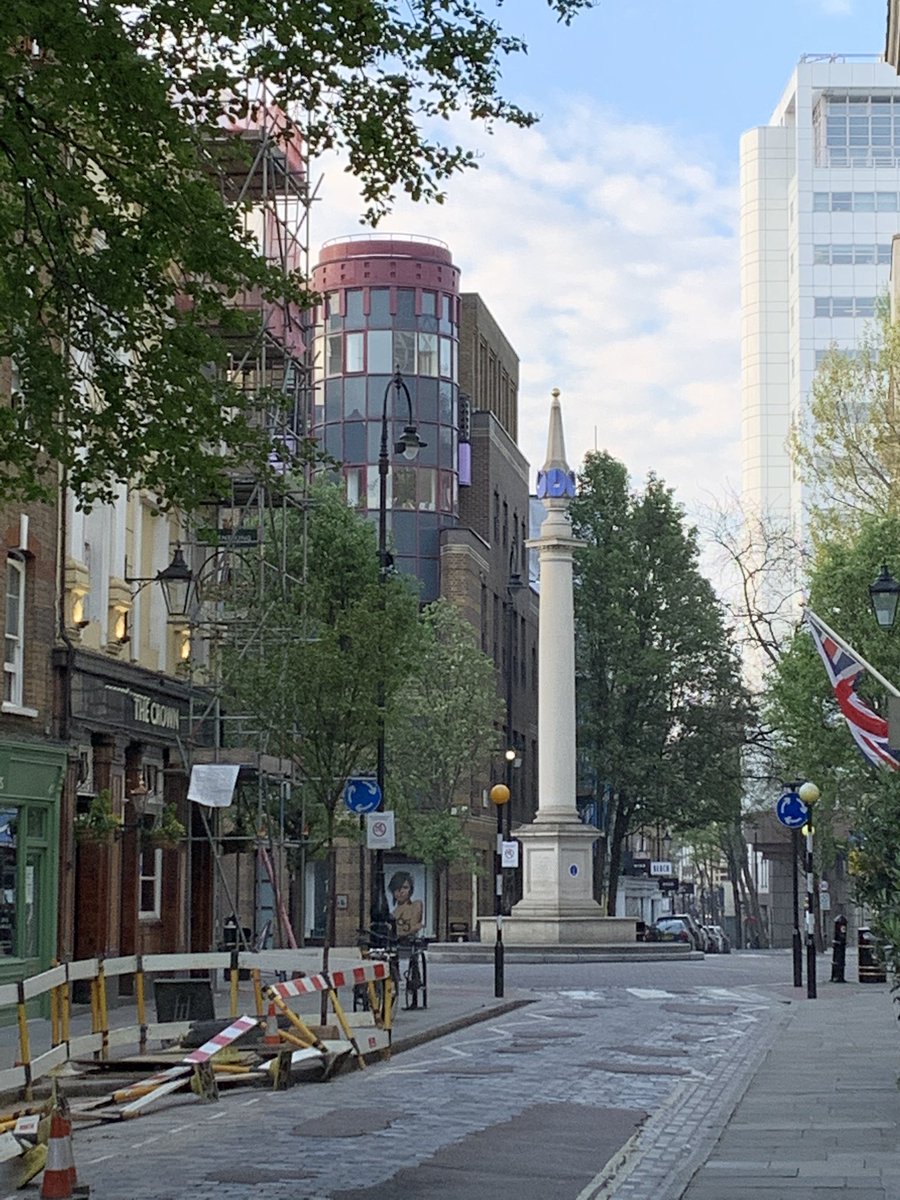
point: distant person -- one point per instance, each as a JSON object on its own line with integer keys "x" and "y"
{"x": 406, "y": 912}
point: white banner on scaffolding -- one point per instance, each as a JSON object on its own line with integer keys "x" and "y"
{"x": 213, "y": 784}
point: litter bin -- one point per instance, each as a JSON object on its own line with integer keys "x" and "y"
{"x": 871, "y": 968}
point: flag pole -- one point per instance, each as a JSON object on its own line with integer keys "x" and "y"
{"x": 809, "y": 614}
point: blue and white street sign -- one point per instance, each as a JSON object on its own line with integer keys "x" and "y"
{"x": 791, "y": 811}
{"x": 362, "y": 795}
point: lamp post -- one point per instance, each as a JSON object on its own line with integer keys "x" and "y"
{"x": 409, "y": 446}
{"x": 796, "y": 940}
{"x": 809, "y": 794}
{"x": 884, "y": 593}
{"x": 499, "y": 798}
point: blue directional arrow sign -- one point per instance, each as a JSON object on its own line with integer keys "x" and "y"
{"x": 791, "y": 811}
{"x": 362, "y": 795}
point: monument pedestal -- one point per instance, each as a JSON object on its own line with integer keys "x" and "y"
{"x": 558, "y": 908}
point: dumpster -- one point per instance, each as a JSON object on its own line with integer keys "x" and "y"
{"x": 871, "y": 967}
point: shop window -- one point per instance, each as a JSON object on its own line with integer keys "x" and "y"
{"x": 150, "y": 882}
{"x": 14, "y": 656}
{"x": 8, "y": 880}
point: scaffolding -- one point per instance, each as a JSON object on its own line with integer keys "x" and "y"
{"x": 240, "y": 547}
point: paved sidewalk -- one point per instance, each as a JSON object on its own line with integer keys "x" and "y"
{"x": 451, "y": 1006}
{"x": 821, "y": 1116}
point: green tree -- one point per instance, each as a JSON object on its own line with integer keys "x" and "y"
{"x": 443, "y": 729}
{"x": 327, "y": 643}
{"x": 846, "y": 446}
{"x": 661, "y": 713}
{"x": 120, "y": 258}
{"x": 810, "y": 735}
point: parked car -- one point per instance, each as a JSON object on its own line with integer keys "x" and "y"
{"x": 722, "y": 938}
{"x": 674, "y": 929}
{"x": 697, "y": 938}
{"x": 710, "y": 940}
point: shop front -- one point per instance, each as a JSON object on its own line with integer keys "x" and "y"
{"x": 31, "y": 781}
{"x": 130, "y": 891}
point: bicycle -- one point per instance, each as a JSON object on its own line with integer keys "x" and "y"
{"x": 415, "y": 977}
{"x": 371, "y": 996}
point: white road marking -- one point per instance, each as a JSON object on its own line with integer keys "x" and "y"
{"x": 650, "y": 993}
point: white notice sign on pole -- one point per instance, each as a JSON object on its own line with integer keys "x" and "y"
{"x": 510, "y": 854}
{"x": 380, "y": 830}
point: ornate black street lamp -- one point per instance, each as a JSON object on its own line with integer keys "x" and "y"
{"x": 409, "y": 446}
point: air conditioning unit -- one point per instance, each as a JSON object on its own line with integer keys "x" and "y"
{"x": 85, "y": 784}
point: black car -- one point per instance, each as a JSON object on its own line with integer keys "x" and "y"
{"x": 673, "y": 929}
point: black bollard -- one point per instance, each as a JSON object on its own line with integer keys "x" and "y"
{"x": 839, "y": 950}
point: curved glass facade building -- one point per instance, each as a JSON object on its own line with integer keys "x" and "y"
{"x": 392, "y": 301}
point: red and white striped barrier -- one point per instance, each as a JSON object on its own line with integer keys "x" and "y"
{"x": 167, "y": 1081}
{"x": 365, "y": 973}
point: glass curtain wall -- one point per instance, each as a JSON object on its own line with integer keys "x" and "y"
{"x": 363, "y": 335}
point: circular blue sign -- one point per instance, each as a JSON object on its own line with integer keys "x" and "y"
{"x": 573, "y": 870}
{"x": 362, "y": 795}
{"x": 791, "y": 811}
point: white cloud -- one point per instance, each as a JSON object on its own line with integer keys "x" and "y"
{"x": 607, "y": 251}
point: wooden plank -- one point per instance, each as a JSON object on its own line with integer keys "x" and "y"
{"x": 87, "y": 1043}
{"x": 47, "y": 1061}
{"x": 85, "y": 968}
{"x": 37, "y": 985}
{"x": 124, "y": 965}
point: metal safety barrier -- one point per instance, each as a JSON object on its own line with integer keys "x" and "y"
{"x": 56, "y": 983}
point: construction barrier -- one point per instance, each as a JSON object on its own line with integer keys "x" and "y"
{"x": 56, "y": 983}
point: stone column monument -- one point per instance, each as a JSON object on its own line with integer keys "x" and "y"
{"x": 557, "y": 907}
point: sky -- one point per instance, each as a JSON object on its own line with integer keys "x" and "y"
{"x": 604, "y": 240}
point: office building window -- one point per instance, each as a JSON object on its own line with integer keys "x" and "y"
{"x": 854, "y": 130}
{"x": 844, "y": 306}
{"x": 843, "y": 254}
{"x": 855, "y": 202}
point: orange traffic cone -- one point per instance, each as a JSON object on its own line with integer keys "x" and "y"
{"x": 271, "y": 1037}
{"x": 59, "y": 1174}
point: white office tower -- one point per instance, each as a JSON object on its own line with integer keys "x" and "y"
{"x": 820, "y": 202}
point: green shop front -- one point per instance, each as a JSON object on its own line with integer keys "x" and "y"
{"x": 31, "y": 778}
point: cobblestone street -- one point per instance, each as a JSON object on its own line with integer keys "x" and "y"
{"x": 600, "y": 1088}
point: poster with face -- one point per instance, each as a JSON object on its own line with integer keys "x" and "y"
{"x": 407, "y": 893}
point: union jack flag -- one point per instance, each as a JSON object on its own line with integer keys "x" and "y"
{"x": 869, "y": 730}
